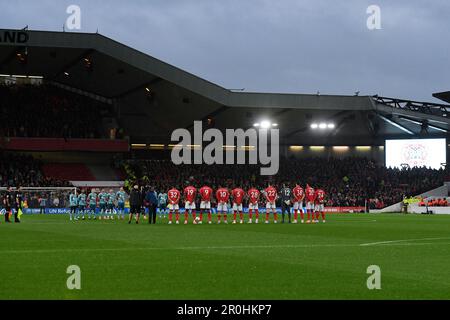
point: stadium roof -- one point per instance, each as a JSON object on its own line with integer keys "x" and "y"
{"x": 153, "y": 97}
{"x": 444, "y": 96}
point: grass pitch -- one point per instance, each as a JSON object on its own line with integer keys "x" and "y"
{"x": 325, "y": 261}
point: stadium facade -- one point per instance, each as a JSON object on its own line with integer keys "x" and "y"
{"x": 153, "y": 98}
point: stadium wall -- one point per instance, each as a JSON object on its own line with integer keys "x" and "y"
{"x": 438, "y": 192}
{"x": 414, "y": 208}
{"x": 60, "y": 144}
{"x": 104, "y": 158}
{"x": 375, "y": 153}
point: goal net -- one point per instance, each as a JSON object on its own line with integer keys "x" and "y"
{"x": 41, "y": 199}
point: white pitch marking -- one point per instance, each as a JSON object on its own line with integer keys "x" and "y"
{"x": 214, "y": 248}
{"x": 398, "y": 241}
{"x": 345, "y": 221}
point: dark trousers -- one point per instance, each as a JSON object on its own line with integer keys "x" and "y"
{"x": 7, "y": 212}
{"x": 285, "y": 208}
{"x": 16, "y": 214}
{"x": 135, "y": 209}
{"x": 152, "y": 213}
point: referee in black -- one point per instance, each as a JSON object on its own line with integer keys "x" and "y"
{"x": 286, "y": 196}
{"x": 9, "y": 203}
{"x": 135, "y": 203}
{"x": 18, "y": 195}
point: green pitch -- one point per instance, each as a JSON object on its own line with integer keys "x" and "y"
{"x": 325, "y": 261}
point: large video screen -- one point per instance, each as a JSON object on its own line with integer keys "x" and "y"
{"x": 416, "y": 153}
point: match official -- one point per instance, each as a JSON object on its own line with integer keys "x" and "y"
{"x": 135, "y": 203}
{"x": 18, "y": 195}
{"x": 9, "y": 203}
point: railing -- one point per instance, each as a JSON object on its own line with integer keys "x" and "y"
{"x": 60, "y": 144}
{"x": 436, "y": 109}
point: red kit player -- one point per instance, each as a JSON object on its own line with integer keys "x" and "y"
{"x": 174, "y": 198}
{"x": 222, "y": 196}
{"x": 253, "y": 195}
{"x": 238, "y": 197}
{"x": 189, "y": 202}
{"x": 205, "y": 204}
{"x": 271, "y": 197}
{"x": 310, "y": 202}
{"x": 320, "y": 205}
{"x": 299, "y": 196}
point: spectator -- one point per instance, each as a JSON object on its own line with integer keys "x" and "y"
{"x": 48, "y": 111}
{"x": 348, "y": 181}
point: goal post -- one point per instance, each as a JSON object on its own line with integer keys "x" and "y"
{"x": 56, "y": 200}
{"x": 42, "y": 199}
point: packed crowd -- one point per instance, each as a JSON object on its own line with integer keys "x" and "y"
{"x": 47, "y": 111}
{"x": 23, "y": 170}
{"x": 347, "y": 182}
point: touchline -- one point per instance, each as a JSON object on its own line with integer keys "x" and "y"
{"x": 263, "y": 147}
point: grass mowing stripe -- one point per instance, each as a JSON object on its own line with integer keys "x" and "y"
{"x": 386, "y": 243}
{"x": 283, "y": 261}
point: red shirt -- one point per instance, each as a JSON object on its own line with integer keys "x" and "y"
{"x": 310, "y": 194}
{"x": 253, "y": 195}
{"x": 271, "y": 194}
{"x": 174, "y": 196}
{"x": 189, "y": 193}
{"x": 238, "y": 195}
{"x": 222, "y": 195}
{"x": 205, "y": 193}
{"x": 320, "y": 196}
{"x": 299, "y": 194}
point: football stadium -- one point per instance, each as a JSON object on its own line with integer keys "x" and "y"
{"x": 125, "y": 177}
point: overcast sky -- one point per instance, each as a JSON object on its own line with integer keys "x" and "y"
{"x": 299, "y": 46}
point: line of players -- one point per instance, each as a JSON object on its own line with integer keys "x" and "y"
{"x": 315, "y": 200}
{"x": 109, "y": 204}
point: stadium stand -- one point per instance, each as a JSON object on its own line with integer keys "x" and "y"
{"x": 48, "y": 111}
{"x": 68, "y": 171}
{"x": 348, "y": 181}
{"x": 22, "y": 170}
{"x": 152, "y": 99}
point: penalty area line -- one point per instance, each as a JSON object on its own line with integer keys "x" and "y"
{"x": 400, "y": 241}
{"x": 384, "y": 243}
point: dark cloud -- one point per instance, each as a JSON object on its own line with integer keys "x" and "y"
{"x": 276, "y": 46}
